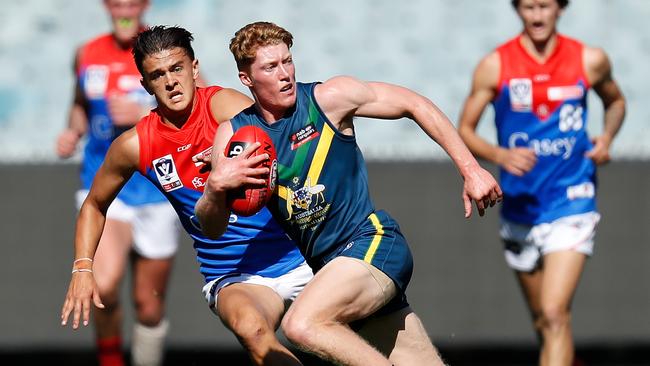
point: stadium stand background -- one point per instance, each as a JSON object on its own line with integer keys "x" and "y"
{"x": 461, "y": 287}
{"x": 430, "y": 46}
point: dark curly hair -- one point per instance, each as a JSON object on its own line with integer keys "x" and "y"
{"x": 160, "y": 38}
{"x": 563, "y": 3}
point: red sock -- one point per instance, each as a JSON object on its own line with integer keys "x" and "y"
{"x": 109, "y": 351}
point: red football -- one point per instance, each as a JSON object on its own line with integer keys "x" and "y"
{"x": 250, "y": 199}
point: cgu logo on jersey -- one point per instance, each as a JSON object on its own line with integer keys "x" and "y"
{"x": 521, "y": 95}
{"x": 166, "y": 173}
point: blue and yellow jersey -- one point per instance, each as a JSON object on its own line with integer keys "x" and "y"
{"x": 322, "y": 197}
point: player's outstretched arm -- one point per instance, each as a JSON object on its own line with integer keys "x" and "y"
{"x": 227, "y": 174}
{"x": 341, "y": 98}
{"x": 67, "y": 141}
{"x": 518, "y": 160}
{"x": 599, "y": 72}
{"x": 120, "y": 163}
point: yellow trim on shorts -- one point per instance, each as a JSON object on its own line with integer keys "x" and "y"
{"x": 375, "y": 240}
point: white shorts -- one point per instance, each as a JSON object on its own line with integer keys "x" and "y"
{"x": 526, "y": 244}
{"x": 155, "y": 226}
{"x": 288, "y": 286}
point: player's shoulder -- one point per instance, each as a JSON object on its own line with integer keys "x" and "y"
{"x": 225, "y": 103}
{"x": 488, "y": 70}
{"x": 338, "y": 82}
{"x": 127, "y": 147}
{"x": 100, "y": 40}
{"x": 594, "y": 55}
{"x": 97, "y": 47}
{"x": 337, "y": 87}
{"x": 490, "y": 62}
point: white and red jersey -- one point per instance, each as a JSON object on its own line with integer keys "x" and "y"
{"x": 253, "y": 245}
{"x": 543, "y": 106}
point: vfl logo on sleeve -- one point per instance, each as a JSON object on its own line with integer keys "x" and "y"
{"x": 305, "y": 134}
{"x": 166, "y": 173}
{"x": 521, "y": 95}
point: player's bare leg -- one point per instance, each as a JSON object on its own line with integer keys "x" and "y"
{"x": 343, "y": 291}
{"x": 402, "y": 336}
{"x": 559, "y": 279}
{"x": 253, "y": 313}
{"x": 531, "y": 286}
{"x": 150, "y": 278}
{"x": 109, "y": 266}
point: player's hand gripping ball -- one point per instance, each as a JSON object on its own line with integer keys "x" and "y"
{"x": 248, "y": 200}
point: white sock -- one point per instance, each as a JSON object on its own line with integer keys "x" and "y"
{"x": 148, "y": 343}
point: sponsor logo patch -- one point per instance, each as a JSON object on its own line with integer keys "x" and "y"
{"x": 166, "y": 173}
{"x": 305, "y": 134}
{"x": 583, "y": 190}
{"x": 557, "y": 93}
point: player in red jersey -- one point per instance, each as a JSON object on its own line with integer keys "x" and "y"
{"x": 108, "y": 100}
{"x": 538, "y": 84}
{"x": 251, "y": 274}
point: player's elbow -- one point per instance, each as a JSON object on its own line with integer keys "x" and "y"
{"x": 212, "y": 232}
{"x": 211, "y": 221}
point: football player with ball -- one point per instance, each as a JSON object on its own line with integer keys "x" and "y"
{"x": 254, "y": 269}
{"x": 362, "y": 261}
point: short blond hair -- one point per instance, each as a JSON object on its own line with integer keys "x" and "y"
{"x": 248, "y": 39}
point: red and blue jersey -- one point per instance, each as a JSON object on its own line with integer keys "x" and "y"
{"x": 103, "y": 70}
{"x": 255, "y": 244}
{"x": 543, "y": 106}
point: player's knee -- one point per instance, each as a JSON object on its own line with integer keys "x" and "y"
{"x": 252, "y": 329}
{"x": 299, "y": 329}
{"x": 554, "y": 317}
{"x": 149, "y": 312}
{"x": 110, "y": 299}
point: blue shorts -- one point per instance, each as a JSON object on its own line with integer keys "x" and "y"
{"x": 379, "y": 241}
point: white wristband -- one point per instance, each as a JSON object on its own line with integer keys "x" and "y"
{"x": 82, "y": 270}
{"x": 82, "y": 259}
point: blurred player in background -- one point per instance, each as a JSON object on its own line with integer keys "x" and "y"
{"x": 108, "y": 99}
{"x": 362, "y": 261}
{"x": 538, "y": 84}
{"x": 254, "y": 271}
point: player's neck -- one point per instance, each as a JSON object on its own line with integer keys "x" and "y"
{"x": 539, "y": 50}
{"x": 177, "y": 119}
{"x": 270, "y": 114}
{"x": 122, "y": 45}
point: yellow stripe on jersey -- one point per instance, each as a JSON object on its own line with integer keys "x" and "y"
{"x": 375, "y": 240}
{"x": 321, "y": 154}
{"x": 283, "y": 192}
